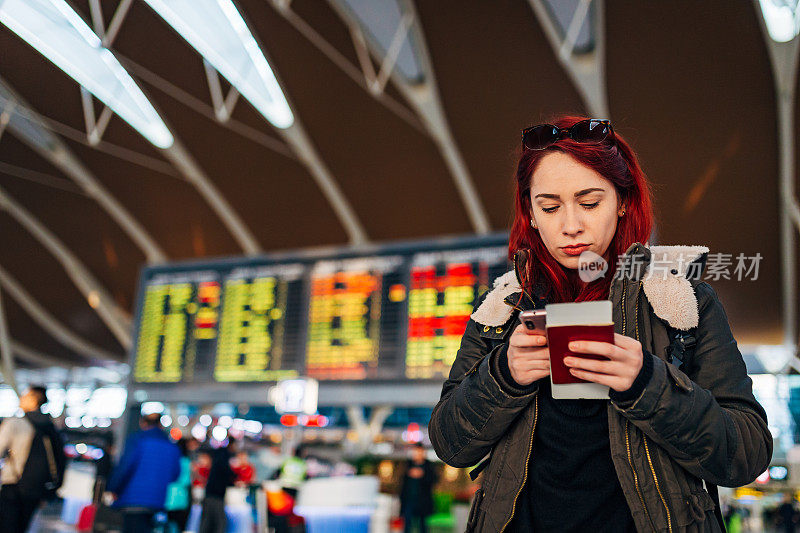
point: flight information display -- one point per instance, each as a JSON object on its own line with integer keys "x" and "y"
{"x": 395, "y": 313}
{"x": 256, "y": 342}
{"x": 349, "y": 299}
{"x": 442, "y": 290}
{"x": 178, "y": 326}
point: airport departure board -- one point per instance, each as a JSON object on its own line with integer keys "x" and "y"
{"x": 177, "y": 326}
{"x": 256, "y": 342}
{"x": 442, "y": 289}
{"x": 346, "y": 332}
{"x": 395, "y": 313}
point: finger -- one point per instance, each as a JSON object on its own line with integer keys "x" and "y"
{"x": 603, "y": 379}
{"x": 524, "y": 366}
{"x": 524, "y": 339}
{"x": 531, "y": 353}
{"x": 624, "y": 341}
{"x": 596, "y": 347}
{"x": 611, "y": 368}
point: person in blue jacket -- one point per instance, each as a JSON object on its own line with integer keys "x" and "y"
{"x": 150, "y": 462}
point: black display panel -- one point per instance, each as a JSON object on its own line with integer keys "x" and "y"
{"x": 395, "y": 313}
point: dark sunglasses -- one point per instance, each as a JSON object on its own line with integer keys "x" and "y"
{"x": 591, "y": 131}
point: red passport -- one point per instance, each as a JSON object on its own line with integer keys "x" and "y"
{"x": 568, "y": 322}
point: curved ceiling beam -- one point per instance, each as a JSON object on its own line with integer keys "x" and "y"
{"x": 117, "y": 320}
{"x": 587, "y": 71}
{"x": 188, "y": 167}
{"x": 300, "y": 148}
{"x": 337, "y": 58}
{"x": 28, "y": 354}
{"x": 228, "y": 46}
{"x": 31, "y": 130}
{"x": 51, "y": 324}
{"x": 423, "y": 95}
{"x": 296, "y": 136}
{"x": 71, "y": 45}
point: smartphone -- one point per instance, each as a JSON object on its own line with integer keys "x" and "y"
{"x": 535, "y": 321}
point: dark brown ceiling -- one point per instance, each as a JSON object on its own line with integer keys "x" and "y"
{"x": 689, "y": 84}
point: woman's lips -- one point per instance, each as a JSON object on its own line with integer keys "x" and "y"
{"x": 576, "y": 250}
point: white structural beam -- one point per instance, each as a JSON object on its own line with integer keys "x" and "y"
{"x": 424, "y": 96}
{"x": 218, "y": 32}
{"x": 32, "y": 130}
{"x": 6, "y": 355}
{"x": 30, "y": 355}
{"x": 587, "y": 70}
{"x": 784, "y": 60}
{"x": 61, "y": 35}
{"x": 283, "y": 7}
{"x": 51, "y": 324}
{"x": 194, "y": 174}
{"x": 117, "y": 320}
{"x": 296, "y": 137}
{"x": 298, "y": 147}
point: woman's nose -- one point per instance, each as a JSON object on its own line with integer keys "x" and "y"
{"x": 573, "y": 222}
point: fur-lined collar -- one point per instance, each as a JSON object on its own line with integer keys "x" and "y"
{"x": 664, "y": 280}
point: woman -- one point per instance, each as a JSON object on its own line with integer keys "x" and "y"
{"x": 635, "y": 462}
{"x": 179, "y": 497}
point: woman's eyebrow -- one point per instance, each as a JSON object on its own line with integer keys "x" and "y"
{"x": 577, "y": 194}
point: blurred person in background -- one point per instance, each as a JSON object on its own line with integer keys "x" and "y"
{"x": 34, "y": 462}
{"x": 787, "y": 515}
{"x": 243, "y": 469}
{"x": 102, "y": 470}
{"x": 636, "y": 461}
{"x": 416, "y": 490}
{"x": 201, "y": 467}
{"x": 220, "y": 476}
{"x": 293, "y": 472}
{"x": 149, "y": 463}
{"x": 179, "y": 498}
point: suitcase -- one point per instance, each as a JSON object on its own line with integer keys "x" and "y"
{"x": 86, "y": 518}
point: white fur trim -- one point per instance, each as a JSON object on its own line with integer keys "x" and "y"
{"x": 671, "y": 295}
{"x": 493, "y": 311}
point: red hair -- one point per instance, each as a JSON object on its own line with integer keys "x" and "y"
{"x": 619, "y": 165}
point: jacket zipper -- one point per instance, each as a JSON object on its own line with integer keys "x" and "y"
{"x": 658, "y": 488}
{"x": 527, "y": 460}
{"x": 635, "y": 476}
{"x": 627, "y": 423}
{"x": 644, "y": 437}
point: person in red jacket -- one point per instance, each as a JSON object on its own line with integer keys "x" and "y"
{"x": 244, "y": 469}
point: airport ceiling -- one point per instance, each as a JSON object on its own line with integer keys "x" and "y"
{"x": 688, "y": 83}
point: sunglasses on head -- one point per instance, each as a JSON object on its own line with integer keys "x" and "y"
{"x": 590, "y": 131}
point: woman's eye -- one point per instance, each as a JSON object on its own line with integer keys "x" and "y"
{"x": 587, "y": 206}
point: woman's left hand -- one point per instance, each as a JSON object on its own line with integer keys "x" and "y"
{"x": 619, "y": 372}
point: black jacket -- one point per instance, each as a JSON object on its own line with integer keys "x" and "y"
{"x": 699, "y": 422}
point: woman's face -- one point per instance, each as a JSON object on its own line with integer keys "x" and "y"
{"x": 572, "y": 204}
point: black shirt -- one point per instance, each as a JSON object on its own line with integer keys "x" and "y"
{"x": 572, "y": 484}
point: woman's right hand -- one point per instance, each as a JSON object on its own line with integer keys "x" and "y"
{"x": 528, "y": 356}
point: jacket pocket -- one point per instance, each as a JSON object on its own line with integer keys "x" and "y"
{"x": 474, "y": 511}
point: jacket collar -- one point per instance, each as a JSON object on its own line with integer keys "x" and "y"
{"x": 665, "y": 273}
